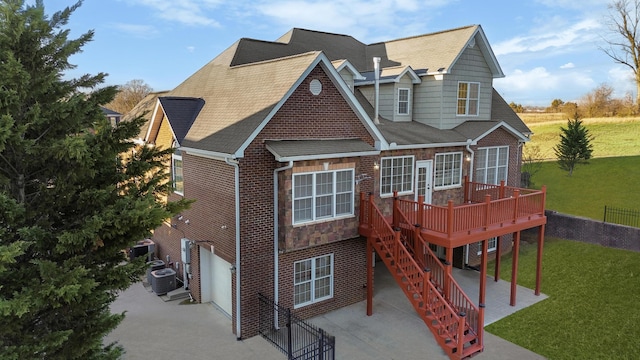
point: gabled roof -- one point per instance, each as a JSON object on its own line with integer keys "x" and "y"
{"x": 144, "y": 108}
{"x": 109, "y": 112}
{"x": 297, "y": 150}
{"x": 240, "y": 99}
{"x": 390, "y": 75}
{"x": 181, "y": 112}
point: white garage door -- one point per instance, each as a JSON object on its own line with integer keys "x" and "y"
{"x": 215, "y": 280}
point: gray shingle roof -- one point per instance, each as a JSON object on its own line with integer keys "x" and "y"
{"x": 181, "y": 113}
{"x": 285, "y": 150}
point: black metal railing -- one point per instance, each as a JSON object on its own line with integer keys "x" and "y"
{"x": 627, "y": 217}
{"x": 296, "y": 338}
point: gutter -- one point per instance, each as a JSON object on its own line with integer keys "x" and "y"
{"x": 234, "y": 163}
{"x": 276, "y": 262}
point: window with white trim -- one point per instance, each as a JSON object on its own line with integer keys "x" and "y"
{"x": 403, "y": 101}
{"x": 312, "y": 280}
{"x": 322, "y": 195}
{"x": 176, "y": 172}
{"x": 396, "y": 174}
{"x": 448, "y": 170}
{"x": 492, "y": 164}
{"x": 468, "y": 98}
{"x": 493, "y": 245}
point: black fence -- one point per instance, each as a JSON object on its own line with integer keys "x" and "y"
{"x": 293, "y": 336}
{"x": 627, "y": 217}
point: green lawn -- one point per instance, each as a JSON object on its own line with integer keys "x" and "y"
{"x": 604, "y": 181}
{"x": 612, "y": 136}
{"x": 592, "y": 310}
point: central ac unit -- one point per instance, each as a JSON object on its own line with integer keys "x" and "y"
{"x": 163, "y": 281}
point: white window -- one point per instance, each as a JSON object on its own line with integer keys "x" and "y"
{"x": 322, "y": 195}
{"x": 312, "y": 280}
{"x": 403, "y": 102}
{"x": 492, "y": 164}
{"x": 493, "y": 245}
{"x": 448, "y": 170}
{"x": 468, "y": 98}
{"x": 396, "y": 174}
{"x": 176, "y": 173}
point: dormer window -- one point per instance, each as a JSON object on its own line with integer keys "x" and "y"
{"x": 468, "y": 98}
{"x": 403, "y": 101}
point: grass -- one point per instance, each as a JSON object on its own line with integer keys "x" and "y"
{"x": 592, "y": 309}
{"x": 612, "y": 136}
{"x": 604, "y": 181}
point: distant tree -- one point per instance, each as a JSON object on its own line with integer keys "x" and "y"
{"x": 575, "y": 145}
{"x": 556, "y": 105}
{"x": 516, "y": 107}
{"x": 70, "y": 200}
{"x": 570, "y": 109}
{"x": 624, "y": 45}
{"x": 597, "y": 102}
{"x": 129, "y": 95}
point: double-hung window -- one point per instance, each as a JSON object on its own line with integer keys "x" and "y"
{"x": 322, "y": 195}
{"x": 403, "y": 102}
{"x": 492, "y": 164}
{"x": 396, "y": 174}
{"x": 493, "y": 245}
{"x": 448, "y": 171}
{"x": 312, "y": 280}
{"x": 468, "y": 98}
{"x": 176, "y": 172}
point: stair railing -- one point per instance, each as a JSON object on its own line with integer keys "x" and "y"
{"x": 450, "y": 324}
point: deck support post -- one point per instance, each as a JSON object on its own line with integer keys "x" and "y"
{"x": 514, "y": 267}
{"x": 496, "y": 276}
{"x": 447, "y": 268}
{"x": 483, "y": 289}
{"x": 369, "y": 278}
{"x": 396, "y": 209}
{"x": 539, "y": 259}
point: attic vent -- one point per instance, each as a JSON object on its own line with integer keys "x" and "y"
{"x": 315, "y": 86}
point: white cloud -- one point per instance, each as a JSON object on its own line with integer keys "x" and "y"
{"x": 191, "y": 49}
{"x": 621, "y": 79}
{"x": 136, "y": 30}
{"x": 584, "y": 31}
{"x": 188, "y": 12}
{"x": 538, "y": 86}
{"x": 568, "y": 65}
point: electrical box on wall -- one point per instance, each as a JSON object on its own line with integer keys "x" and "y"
{"x": 185, "y": 250}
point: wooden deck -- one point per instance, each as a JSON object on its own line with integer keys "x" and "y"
{"x": 487, "y": 211}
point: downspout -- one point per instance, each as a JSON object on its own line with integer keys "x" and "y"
{"x": 276, "y": 262}
{"x": 473, "y": 155}
{"x": 234, "y": 163}
{"x": 376, "y": 70}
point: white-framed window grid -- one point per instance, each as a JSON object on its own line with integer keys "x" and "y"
{"x": 448, "y": 170}
{"x": 312, "y": 280}
{"x": 176, "y": 173}
{"x": 492, "y": 246}
{"x": 396, "y": 174}
{"x": 492, "y": 164}
{"x": 404, "y": 103}
{"x": 323, "y": 195}
{"x": 468, "y": 98}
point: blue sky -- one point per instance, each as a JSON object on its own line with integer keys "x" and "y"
{"x": 548, "y": 49}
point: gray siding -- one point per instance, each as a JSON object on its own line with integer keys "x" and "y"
{"x": 347, "y": 76}
{"x": 404, "y": 83}
{"x": 436, "y": 100}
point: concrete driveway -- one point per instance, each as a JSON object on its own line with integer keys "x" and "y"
{"x": 155, "y": 329}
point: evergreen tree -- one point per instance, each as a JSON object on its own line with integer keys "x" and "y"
{"x": 74, "y": 193}
{"x": 575, "y": 145}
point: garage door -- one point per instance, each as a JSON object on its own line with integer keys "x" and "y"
{"x": 215, "y": 279}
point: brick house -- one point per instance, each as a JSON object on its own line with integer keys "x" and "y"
{"x": 278, "y": 141}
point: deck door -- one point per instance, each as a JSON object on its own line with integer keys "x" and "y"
{"x": 424, "y": 179}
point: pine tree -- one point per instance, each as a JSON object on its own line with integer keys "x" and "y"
{"x": 575, "y": 145}
{"x": 74, "y": 192}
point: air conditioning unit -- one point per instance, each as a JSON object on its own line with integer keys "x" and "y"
{"x": 153, "y": 266}
{"x": 163, "y": 281}
{"x": 144, "y": 247}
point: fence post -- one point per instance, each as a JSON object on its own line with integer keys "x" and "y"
{"x": 321, "y": 344}
{"x": 605, "y": 213}
{"x": 516, "y": 201}
{"x": 289, "y": 337}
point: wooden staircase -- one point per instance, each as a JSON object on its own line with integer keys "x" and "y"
{"x": 453, "y": 319}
